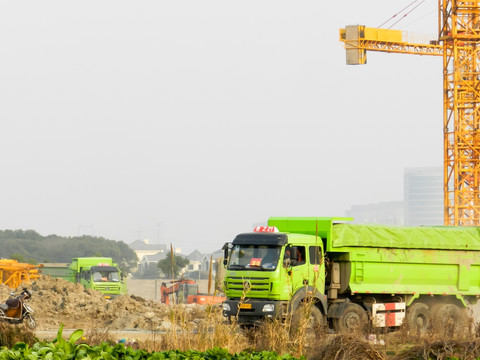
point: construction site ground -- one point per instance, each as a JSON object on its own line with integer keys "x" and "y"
{"x": 138, "y": 314}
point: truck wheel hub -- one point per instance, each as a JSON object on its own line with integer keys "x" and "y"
{"x": 352, "y": 320}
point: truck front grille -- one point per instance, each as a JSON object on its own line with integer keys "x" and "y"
{"x": 247, "y": 286}
{"x": 108, "y": 288}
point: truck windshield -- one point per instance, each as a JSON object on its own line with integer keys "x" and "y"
{"x": 109, "y": 276}
{"x": 254, "y": 257}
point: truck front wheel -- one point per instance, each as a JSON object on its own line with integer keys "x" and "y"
{"x": 419, "y": 318}
{"x": 354, "y": 318}
{"x": 309, "y": 320}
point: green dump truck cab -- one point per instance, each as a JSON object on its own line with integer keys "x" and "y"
{"x": 354, "y": 274}
{"x": 99, "y": 273}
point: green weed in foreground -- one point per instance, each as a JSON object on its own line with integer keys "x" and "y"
{"x": 69, "y": 349}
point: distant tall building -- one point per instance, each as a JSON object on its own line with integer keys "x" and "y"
{"x": 423, "y": 196}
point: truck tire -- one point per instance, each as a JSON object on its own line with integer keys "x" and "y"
{"x": 419, "y": 318}
{"x": 449, "y": 320}
{"x": 308, "y": 320}
{"x": 353, "y": 319}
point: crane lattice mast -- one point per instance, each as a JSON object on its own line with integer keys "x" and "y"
{"x": 459, "y": 32}
{"x": 459, "y": 44}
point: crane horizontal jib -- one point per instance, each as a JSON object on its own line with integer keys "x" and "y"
{"x": 356, "y": 32}
{"x": 359, "y": 38}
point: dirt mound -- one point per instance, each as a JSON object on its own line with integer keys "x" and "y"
{"x": 58, "y": 301}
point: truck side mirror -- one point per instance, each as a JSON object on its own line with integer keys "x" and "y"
{"x": 225, "y": 253}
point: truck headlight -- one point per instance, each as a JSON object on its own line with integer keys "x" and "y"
{"x": 268, "y": 308}
{"x": 226, "y": 307}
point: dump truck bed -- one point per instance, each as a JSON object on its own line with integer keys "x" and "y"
{"x": 409, "y": 271}
{"x": 58, "y": 270}
{"x": 378, "y": 236}
{"x": 397, "y": 260}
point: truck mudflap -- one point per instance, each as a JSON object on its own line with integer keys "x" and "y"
{"x": 335, "y": 310}
{"x": 253, "y": 311}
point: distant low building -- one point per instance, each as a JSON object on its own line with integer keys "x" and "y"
{"x": 387, "y": 213}
{"x": 150, "y": 254}
{"x": 196, "y": 259}
{"x": 199, "y": 265}
{"x": 148, "y": 265}
{"x": 422, "y": 202}
{"x": 144, "y": 248}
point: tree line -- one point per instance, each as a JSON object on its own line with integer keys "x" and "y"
{"x": 31, "y": 247}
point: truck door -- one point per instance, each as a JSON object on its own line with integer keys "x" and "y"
{"x": 316, "y": 268}
{"x": 295, "y": 256}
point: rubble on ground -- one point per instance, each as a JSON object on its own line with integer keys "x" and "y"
{"x": 57, "y": 301}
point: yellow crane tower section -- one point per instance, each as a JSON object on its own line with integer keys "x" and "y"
{"x": 459, "y": 44}
{"x": 13, "y": 273}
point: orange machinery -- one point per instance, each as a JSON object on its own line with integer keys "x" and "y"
{"x": 185, "y": 291}
{"x": 13, "y": 273}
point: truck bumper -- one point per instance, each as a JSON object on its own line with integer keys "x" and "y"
{"x": 254, "y": 311}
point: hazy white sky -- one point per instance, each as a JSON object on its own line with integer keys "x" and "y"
{"x": 186, "y": 122}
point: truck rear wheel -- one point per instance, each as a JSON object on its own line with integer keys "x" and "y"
{"x": 309, "y": 320}
{"x": 448, "y": 320}
{"x": 419, "y": 318}
{"x": 353, "y": 319}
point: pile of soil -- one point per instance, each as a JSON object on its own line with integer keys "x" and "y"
{"x": 57, "y": 301}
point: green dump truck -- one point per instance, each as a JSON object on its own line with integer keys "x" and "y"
{"x": 355, "y": 275}
{"x": 98, "y": 273}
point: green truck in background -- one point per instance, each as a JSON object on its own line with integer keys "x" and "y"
{"x": 97, "y": 273}
{"x": 355, "y": 275}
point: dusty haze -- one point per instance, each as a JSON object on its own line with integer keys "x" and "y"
{"x": 188, "y": 122}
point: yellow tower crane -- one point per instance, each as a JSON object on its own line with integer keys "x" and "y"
{"x": 459, "y": 44}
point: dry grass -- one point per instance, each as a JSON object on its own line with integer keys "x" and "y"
{"x": 11, "y": 334}
{"x": 201, "y": 331}
{"x": 201, "y": 328}
{"x": 193, "y": 330}
{"x": 345, "y": 347}
{"x": 94, "y": 335}
{"x": 443, "y": 350}
{"x": 272, "y": 335}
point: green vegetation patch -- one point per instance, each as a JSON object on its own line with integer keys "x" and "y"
{"x": 74, "y": 349}
{"x": 29, "y": 246}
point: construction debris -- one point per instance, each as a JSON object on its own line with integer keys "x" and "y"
{"x": 57, "y": 301}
